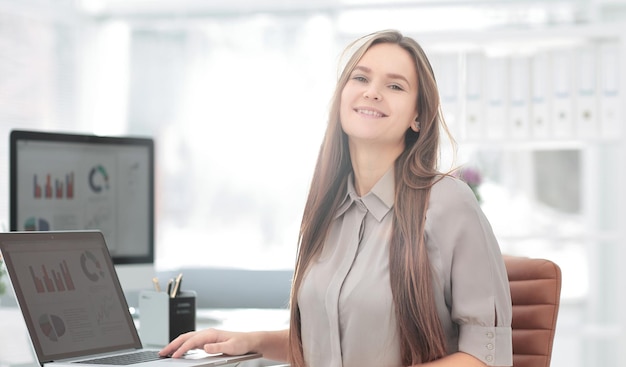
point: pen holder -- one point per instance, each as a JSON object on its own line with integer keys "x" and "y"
{"x": 162, "y": 318}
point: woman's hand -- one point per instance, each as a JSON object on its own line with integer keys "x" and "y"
{"x": 211, "y": 341}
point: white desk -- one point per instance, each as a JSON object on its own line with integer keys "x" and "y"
{"x": 16, "y": 350}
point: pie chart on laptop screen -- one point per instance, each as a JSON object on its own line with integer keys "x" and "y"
{"x": 52, "y": 326}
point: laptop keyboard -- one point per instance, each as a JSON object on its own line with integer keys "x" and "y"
{"x": 126, "y": 359}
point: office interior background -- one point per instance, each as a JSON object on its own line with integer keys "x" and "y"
{"x": 236, "y": 96}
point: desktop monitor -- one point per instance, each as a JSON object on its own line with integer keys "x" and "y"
{"x": 62, "y": 181}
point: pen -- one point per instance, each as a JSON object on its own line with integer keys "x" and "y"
{"x": 176, "y": 288}
{"x": 169, "y": 286}
{"x": 157, "y": 287}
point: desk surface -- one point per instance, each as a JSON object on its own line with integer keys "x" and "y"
{"x": 16, "y": 350}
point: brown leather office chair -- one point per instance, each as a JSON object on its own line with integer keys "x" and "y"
{"x": 535, "y": 293}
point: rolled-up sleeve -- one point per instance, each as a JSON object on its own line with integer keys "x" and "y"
{"x": 474, "y": 298}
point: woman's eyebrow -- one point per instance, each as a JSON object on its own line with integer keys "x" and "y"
{"x": 364, "y": 69}
{"x": 398, "y": 76}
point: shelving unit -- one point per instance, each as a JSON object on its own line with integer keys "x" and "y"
{"x": 571, "y": 79}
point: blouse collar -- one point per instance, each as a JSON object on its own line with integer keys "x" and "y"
{"x": 378, "y": 201}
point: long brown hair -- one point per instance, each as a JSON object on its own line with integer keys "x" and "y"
{"x": 421, "y": 334}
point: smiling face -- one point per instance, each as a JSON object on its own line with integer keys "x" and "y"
{"x": 378, "y": 102}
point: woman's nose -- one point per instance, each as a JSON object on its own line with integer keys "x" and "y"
{"x": 372, "y": 93}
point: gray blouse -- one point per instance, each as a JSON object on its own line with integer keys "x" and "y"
{"x": 345, "y": 300}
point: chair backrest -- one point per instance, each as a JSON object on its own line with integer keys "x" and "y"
{"x": 535, "y": 293}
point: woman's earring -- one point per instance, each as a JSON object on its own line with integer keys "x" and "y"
{"x": 417, "y": 125}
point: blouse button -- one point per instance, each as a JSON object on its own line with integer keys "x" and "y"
{"x": 490, "y": 346}
{"x": 489, "y": 358}
{"x": 490, "y": 335}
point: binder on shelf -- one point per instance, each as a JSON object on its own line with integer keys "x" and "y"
{"x": 609, "y": 90}
{"x": 540, "y": 113}
{"x": 474, "y": 116}
{"x": 446, "y": 68}
{"x": 496, "y": 97}
{"x": 586, "y": 98}
{"x": 519, "y": 97}
{"x": 562, "y": 101}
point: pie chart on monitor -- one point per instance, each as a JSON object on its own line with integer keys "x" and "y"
{"x": 52, "y": 326}
{"x": 36, "y": 224}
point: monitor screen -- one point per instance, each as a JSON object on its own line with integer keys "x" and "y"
{"x": 73, "y": 182}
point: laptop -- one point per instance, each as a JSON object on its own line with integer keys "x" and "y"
{"x": 73, "y": 305}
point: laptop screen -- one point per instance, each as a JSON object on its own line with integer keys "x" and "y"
{"x": 68, "y": 292}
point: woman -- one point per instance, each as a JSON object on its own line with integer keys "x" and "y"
{"x": 397, "y": 265}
